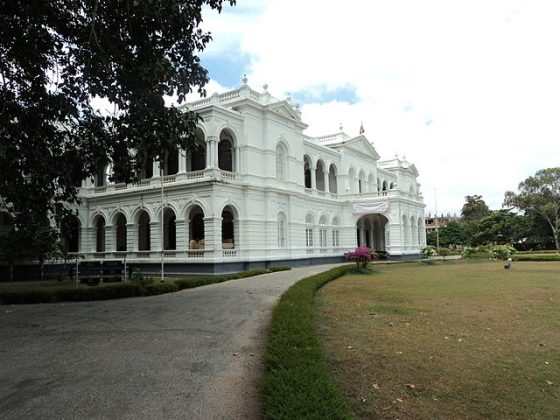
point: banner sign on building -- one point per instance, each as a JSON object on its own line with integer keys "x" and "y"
{"x": 369, "y": 208}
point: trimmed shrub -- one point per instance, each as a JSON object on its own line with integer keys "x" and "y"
{"x": 27, "y": 296}
{"x": 137, "y": 277}
{"x": 279, "y": 268}
{"x": 489, "y": 251}
{"x": 159, "y": 288}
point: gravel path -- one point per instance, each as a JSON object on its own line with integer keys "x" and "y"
{"x": 194, "y": 354}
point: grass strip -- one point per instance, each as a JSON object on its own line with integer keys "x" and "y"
{"x": 296, "y": 382}
{"x": 118, "y": 291}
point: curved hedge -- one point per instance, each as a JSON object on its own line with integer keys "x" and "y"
{"x": 296, "y": 383}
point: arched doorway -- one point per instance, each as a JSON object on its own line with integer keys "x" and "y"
{"x": 99, "y": 226}
{"x": 333, "y": 187}
{"x": 197, "y": 153}
{"x": 320, "y": 176}
{"x": 225, "y": 152}
{"x": 307, "y": 171}
{"x": 144, "y": 231}
{"x": 228, "y": 228}
{"x": 371, "y": 231}
{"x": 196, "y": 228}
{"x": 169, "y": 230}
{"x": 120, "y": 223}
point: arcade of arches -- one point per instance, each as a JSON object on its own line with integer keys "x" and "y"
{"x": 116, "y": 237}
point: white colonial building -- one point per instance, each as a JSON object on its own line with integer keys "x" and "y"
{"x": 254, "y": 191}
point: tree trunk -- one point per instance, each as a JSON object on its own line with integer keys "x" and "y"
{"x": 554, "y": 233}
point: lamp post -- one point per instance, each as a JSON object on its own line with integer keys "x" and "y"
{"x": 437, "y": 222}
{"x": 162, "y": 223}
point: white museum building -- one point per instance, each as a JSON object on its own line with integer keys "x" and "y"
{"x": 254, "y": 191}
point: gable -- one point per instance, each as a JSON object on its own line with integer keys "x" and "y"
{"x": 284, "y": 109}
{"x": 362, "y": 146}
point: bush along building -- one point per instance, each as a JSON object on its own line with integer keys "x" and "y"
{"x": 254, "y": 191}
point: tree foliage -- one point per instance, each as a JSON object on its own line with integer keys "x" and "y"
{"x": 540, "y": 195}
{"x": 56, "y": 57}
{"x": 474, "y": 208}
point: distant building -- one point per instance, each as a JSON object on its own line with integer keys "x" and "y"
{"x": 432, "y": 222}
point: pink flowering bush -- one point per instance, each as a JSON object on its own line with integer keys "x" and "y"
{"x": 361, "y": 255}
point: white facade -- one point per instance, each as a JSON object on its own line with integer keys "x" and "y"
{"x": 256, "y": 189}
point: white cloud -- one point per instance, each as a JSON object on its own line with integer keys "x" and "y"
{"x": 468, "y": 90}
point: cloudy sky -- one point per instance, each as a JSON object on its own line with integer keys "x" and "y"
{"x": 468, "y": 91}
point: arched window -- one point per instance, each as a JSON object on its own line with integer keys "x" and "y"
{"x": 120, "y": 223}
{"x": 323, "y": 232}
{"x": 144, "y": 231}
{"x": 99, "y": 225}
{"x": 169, "y": 230}
{"x": 333, "y": 187}
{"x": 352, "y": 181}
{"x": 282, "y": 230}
{"x": 391, "y": 186}
{"x": 384, "y": 185}
{"x": 378, "y": 185}
{"x": 362, "y": 183}
{"x": 309, "y": 231}
{"x": 320, "y": 176}
{"x": 280, "y": 162}
{"x": 336, "y": 232}
{"x": 225, "y": 152}
{"x": 228, "y": 236}
{"x": 307, "y": 171}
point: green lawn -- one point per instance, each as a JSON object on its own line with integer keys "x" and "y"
{"x": 447, "y": 340}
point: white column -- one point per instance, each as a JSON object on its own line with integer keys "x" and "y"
{"x": 155, "y": 236}
{"x": 237, "y": 163}
{"x": 131, "y": 237}
{"x": 180, "y": 235}
{"x": 213, "y": 233}
{"x": 211, "y": 152}
{"x": 313, "y": 186}
{"x": 182, "y": 160}
{"x": 110, "y": 238}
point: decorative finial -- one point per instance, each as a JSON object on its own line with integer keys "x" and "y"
{"x": 265, "y": 87}
{"x": 340, "y": 127}
{"x": 297, "y": 107}
{"x": 362, "y": 131}
{"x": 244, "y": 80}
{"x": 289, "y": 98}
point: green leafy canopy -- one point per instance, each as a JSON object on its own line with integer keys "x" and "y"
{"x": 56, "y": 56}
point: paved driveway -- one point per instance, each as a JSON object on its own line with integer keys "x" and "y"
{"x": 194, "y": 354}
